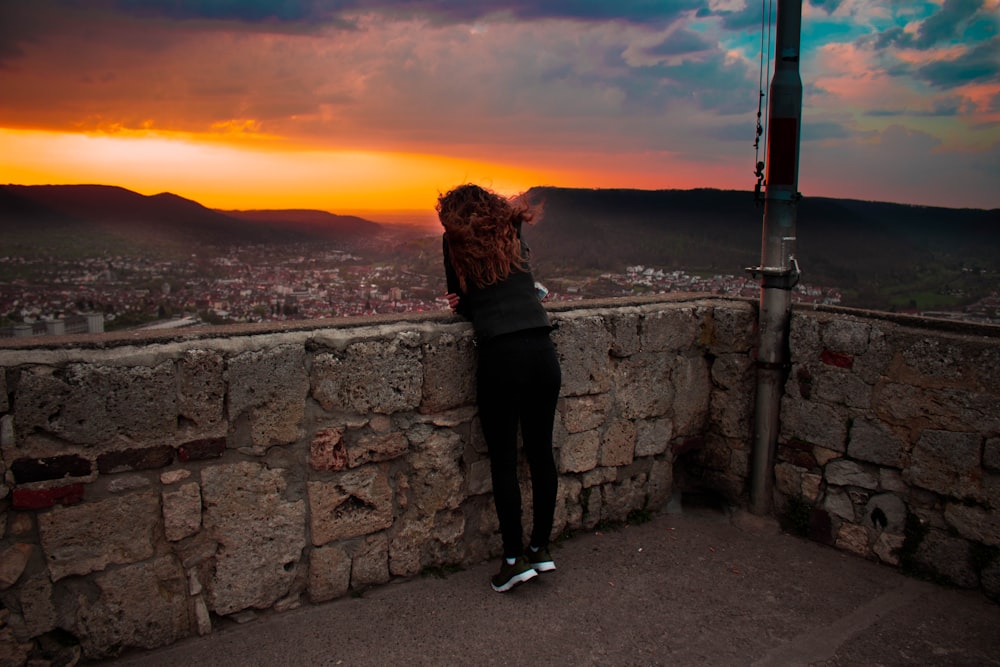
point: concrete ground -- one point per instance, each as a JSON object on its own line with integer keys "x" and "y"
{"x": 696, "y": 588}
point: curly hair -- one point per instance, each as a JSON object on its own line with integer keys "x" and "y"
{"x": 482, "y": 229}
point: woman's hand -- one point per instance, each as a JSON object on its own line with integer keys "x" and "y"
{"x": 452, "y": 301}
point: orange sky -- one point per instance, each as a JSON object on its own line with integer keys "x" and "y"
{"x": 350, "y": 105}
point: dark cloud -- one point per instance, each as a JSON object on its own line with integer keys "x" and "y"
{"x": 822, "y": 130}
{"x": 829, "y": 6}
{"x": 748, "y": 18}
{"x": 978, "y": 65}
{"x": 945, "y": 109}
{"x": 251, "y": 11}
{"x": 442, "y": 11}
{"x": 947, "y": 23}
{"x": 680, "y": 42}
{"x": 955, "y": 21}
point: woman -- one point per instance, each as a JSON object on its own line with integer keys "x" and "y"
{"x": 518, "y": 378}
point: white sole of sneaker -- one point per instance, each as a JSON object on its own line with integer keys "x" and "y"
{"x": 514, "y": 581}
{"x": 544, "y": 567}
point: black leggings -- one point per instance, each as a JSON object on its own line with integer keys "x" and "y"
{"x": 518, "y": 383}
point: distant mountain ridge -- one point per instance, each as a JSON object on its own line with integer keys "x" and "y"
{"x": 96, "y": 214}
{"x": 839, "y": 241}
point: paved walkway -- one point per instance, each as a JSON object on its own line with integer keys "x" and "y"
{"x": 697, "y": 588}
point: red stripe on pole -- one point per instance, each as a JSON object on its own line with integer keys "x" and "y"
{"x": 782, "y": 163}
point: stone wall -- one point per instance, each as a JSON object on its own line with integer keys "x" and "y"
{"x": 157, "y": 485}
{"x": 890, "y": 443}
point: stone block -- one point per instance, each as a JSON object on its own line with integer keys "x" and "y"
{"x": 90, "y": 405}
{"x": 643, "y": 386}
{"x": 579, "y": 452}
{"x": 327, "y": 450}
{"x": 88, "y": 537}
{"x": 268, "y": 389}
{"x": 329, "y": 573}
{"x": 128, "y": 482}
{"x": 406, "y": 548}
{"x": 168, "y": 477}
{"x": 991, "y": 454}
{"x": 843, "y": 472}
{"x": 816, "y": 423}
{"x": 13, "y": 560}
{"x": 948, "y": 557}
{"x": 653, "y": 436}
{"x": 260, "y": 531}
{"x": 812, "y": 487}
{"x": 202, "y": 450}
{"x": 52, "y": 467}
{"x": 201, "y": 389}
{"x": 478, "y": 478}
{"x": 837, "y": 359}
{"x": 449, "y": 373}
{"x": 356, "y": 503}
{"x": 853, "y": 538}
{"x": 730, "y": 413}
{"x": 181, "y": 511}
{"x": 692, "y": 388}
{"x": 875, "y": 442}
{"x": 846, "y": 335}
{"x": 978, "y": 524}
{"x": 624, "y": 329}
{"x": 804, "y": 335}
{"x": 584, "y": 413}
{"x": 370, "y": 564}
{"x": 874, "y": 364}
{"x": 143, "y": 606}
{"x": 839, "y": 504}
{"x": 620, "y": 499}
{"x": 35, "y": 600}
{"x": 947, "y": 463}
{"x": 618, "y": 443}
{"x": 733, "y": 371}
{"x": 583, "y": 345}
{"x": 4, "y": 400}
{"x": 34, "y": 499}
{"x": 839, "y": 387}
{"x": 149, "y": 458}
{"x": 733, "y": 327}
{"x": 676, "y": 329}
{"x": 371, "y": 376}
{"x": 933, "y": 357}
{"x": 376, "y": 447}
{"x": 788, "y": 479}
{"x": 660, "y": 483}
{"x": 947, "y": 408}
{"x": 887, "y": 547}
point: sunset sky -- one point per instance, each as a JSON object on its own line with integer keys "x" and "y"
{"x": 348, "y": 105}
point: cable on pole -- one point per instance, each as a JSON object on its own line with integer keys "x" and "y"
{"x": 766, "y": 7}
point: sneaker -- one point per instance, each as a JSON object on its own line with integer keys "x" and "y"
{"x": 540, "y": 560}
{"x": 512, "y": 574}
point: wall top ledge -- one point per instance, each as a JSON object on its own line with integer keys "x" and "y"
{"x": 938, "y": 324}
{"x": 139, "y": 337}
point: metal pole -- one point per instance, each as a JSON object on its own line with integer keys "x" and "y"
{"x": 779, "y": 269}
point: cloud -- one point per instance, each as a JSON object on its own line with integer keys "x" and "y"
{"x": 978, "y": 64}
{"x": 442, "y": 11}
{"x": 903, "y": 165}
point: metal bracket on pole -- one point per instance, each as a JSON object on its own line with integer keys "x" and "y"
{"x": 776, "y": 278}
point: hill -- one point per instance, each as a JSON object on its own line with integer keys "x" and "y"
{"x": 84, "y": 219}
{"x": 855, "y": 245}
{"x": 881, "y": 255}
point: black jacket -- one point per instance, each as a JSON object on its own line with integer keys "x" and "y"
{"x": 501, "y": 308}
